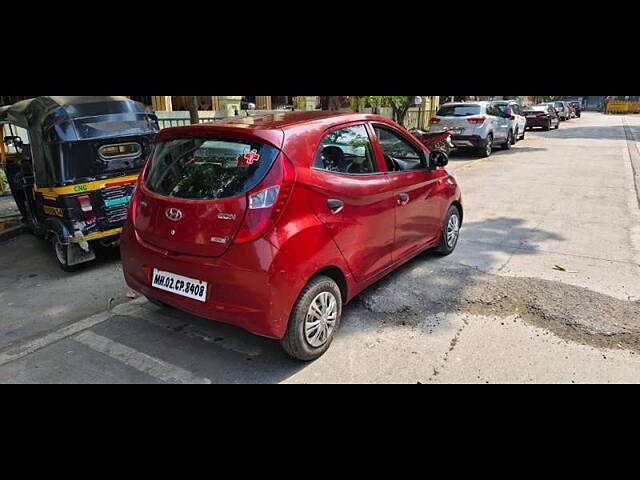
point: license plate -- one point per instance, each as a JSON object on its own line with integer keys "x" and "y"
{"x": 184, "y": 286}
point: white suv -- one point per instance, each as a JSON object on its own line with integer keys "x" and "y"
{"x": 517, "y": 120}
{"x": 479, "y": 125}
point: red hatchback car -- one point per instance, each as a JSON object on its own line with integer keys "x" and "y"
{"x": 272, "y": 223}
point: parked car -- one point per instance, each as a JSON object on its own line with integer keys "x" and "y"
{"x": 479, "y": 125}
{"x": 562, "y": 110}
{"x": 544, "y": 116}
{"x": 517, "y": 121}
{"x": 272, "y": 223}
{"x": 577, "y": 106}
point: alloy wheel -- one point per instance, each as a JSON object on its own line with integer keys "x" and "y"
{"x": 488, "y": 147}
{"x": 453, "y": 230}
{"x": 321, "y": 319}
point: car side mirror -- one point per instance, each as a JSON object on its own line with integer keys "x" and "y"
{"x": 438, "y": 158}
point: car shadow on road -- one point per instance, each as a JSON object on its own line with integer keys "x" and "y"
{"x": 430, "y": 283}
{"x": 596, "y": 132}
{"x": 464, "y": 155}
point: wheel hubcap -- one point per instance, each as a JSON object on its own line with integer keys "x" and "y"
{"x": 321, "y": 319}
{"x": 453, "y": 228}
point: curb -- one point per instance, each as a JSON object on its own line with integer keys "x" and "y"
{"x": 634, "y": 154}
{"x": 21, "y": 349}
{"x": 12, "y": 232}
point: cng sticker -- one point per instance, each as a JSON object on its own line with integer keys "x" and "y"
{"x": 80, "y": 188}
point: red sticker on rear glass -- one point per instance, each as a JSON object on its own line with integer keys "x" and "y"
{"x": 249, "y": 158}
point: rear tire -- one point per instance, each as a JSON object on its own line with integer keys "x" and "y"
{"x": 509, "y": 142}
{"x": 547, "y": 127}
{"x": 557, "y": 125}
{"x": 485, "y": 150}
{"x": 450, "y": 231}
{"x": 60, "y": 252}
{"x": 523, "y": 134}
{"x": 314, "y": 319}
{"x": 515, "y": 138}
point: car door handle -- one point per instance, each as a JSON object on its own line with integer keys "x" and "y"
{"x": 335, "y": 205}
{"x": 403, "y": 199}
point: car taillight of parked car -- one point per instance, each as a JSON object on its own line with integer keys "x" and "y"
{"x": 266, "y": 201}
{"x": 434, "y": 120}
{"x": 135, "y": 195}
{"x": 476, "y": 120}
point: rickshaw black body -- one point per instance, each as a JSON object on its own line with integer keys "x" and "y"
{"x": 73, "y": 179}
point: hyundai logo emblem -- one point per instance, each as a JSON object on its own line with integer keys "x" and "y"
{"x": 173, "y": 214}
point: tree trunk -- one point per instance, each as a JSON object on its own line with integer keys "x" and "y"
{"x": 399, "y": 112}
{"x": 193, "y": 110}
{"x": 330, "y": 103}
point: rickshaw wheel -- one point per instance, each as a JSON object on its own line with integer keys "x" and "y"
{"x": 60, "y": 251}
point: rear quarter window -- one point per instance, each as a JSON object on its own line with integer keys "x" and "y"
{"x": 208, "y": 168}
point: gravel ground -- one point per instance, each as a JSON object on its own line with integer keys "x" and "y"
{"x": 571, "y": 312}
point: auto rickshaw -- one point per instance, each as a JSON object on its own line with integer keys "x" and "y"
{"x": 73, "y": 176}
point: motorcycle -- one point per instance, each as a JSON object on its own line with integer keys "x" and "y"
{"x": 440, "y": 141}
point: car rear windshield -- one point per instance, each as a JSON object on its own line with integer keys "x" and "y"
{"x": 536, "y": 108}
{"x": 504, "y": 108}
{"x": 206, "y": 168}
{"x": 458, "y": 110}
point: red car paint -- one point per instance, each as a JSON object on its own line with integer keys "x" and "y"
{"x": 257, "y": 274}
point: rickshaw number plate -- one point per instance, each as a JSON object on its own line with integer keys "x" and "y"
{"x": 184, "y": 286}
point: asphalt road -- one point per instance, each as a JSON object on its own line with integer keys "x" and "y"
{"x": 494, "y": 311}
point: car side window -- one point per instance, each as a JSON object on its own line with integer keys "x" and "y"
{"x": 502, "y": 109}
{"x": 399, "y": 154}
{"x": 347, "y": 150}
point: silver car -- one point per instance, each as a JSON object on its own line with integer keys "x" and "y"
{"x": 517, "y": 120}
{"x": 479, "y": 125}
{"x": 562, "y": 108}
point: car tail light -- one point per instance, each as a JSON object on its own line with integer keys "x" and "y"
{"x": 87, "y": 209}
{"x": 476, "y": 120}
{"x": 266, "y": 201}
{"x": 133, "y": 204}
{"x": 434, "y": 120}
{"x": 543, "y": 115}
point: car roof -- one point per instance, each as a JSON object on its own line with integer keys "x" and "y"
{"x": 480, "y": 102}
{"x": 272, "y": 127}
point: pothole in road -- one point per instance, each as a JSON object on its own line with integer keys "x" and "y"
{"x": 571, "y": 312}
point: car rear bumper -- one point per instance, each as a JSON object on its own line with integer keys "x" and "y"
{"x": 538, "y": 122}
{"x": 466, "y": 140}
{"x": 241, "y": 289}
